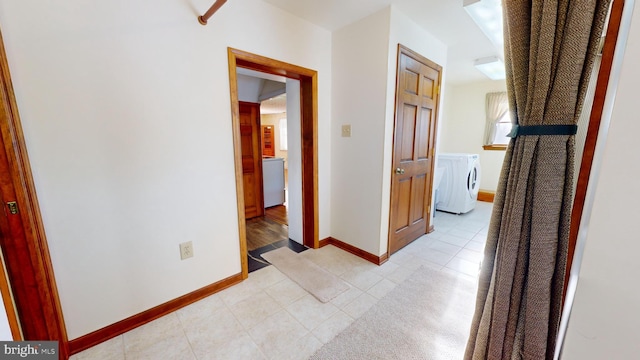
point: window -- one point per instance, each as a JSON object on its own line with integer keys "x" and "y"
{"x": 283, "y": 134}
{"x": 503, "y": 128}
{"x": 498, "y": 122}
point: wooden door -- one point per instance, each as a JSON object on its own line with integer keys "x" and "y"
{"x": 22, "y": 237}
{"x": 251, "y": 159}
{"x": 417, "y": 89}
{"x": 268, "y": 142}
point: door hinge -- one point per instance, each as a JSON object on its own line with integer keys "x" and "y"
{"x": 13, "y": 207}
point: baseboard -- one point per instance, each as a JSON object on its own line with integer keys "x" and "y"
{"x": 86, "y": 341}
{"x": 324, "y": 242}
{"x": 486, "y": 195}
{"x": 431, "y": 229}
{"x": 378, "y": 260}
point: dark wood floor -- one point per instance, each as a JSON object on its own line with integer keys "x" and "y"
{"x": 267, "y": 229}
{"x": 277, "y": 213}
{"x": 262, "y": 231}
{"x": 266, "y": 233}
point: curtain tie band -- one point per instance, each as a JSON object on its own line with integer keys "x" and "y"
{"x": 518, "y": 130}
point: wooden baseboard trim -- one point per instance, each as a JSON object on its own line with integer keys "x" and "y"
{"x": 86, "y": 341}
{"x": 378, "y": 260}
{"x": 486, "y": 195}
{"x": 431, "y": 229}
{"x": 324, "y": 242}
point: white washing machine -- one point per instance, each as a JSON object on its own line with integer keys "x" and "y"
{"x": 458, "y": 190}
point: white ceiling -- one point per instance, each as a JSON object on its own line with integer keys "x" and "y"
{"x": 275, "y": 105}
{"x": 445, "y": 19}
{"x": 261, "y": 75}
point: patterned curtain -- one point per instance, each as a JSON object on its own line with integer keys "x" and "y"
{"x": 550, "y": 48}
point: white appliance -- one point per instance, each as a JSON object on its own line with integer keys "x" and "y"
{"x": 458, "y": 190}
{"x": 273, "y": 181}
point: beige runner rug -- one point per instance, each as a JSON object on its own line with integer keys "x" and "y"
{"x": 427, "y": 317}
{"x": 311, "y": 277}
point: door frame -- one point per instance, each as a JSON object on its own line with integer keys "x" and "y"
{"x": 309, "y": 135}
{"x": 22, "y": 236}
{"x": 593, "y": 128}
{"x": 403, "y": 50}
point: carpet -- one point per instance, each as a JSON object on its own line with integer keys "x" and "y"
{"x": 428, "y": 316}
{"x": 311, "y": 277}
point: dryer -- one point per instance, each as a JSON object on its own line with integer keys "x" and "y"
{"x": 458, "y": 190}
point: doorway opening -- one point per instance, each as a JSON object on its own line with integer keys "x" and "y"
{"x": 267, "y": 160}
{"x": 250, "y": 166}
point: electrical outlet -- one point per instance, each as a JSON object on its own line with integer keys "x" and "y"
{"x": 186, "y": 250}
{"x": 346, "y": 130}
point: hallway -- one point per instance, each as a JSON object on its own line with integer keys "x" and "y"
{"x": 268, "y": 316}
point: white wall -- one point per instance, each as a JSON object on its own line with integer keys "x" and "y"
{"x": 364, "y": 72}
{"x": 463, "y": 124}
{"x": 294, "y": 174}
{"x": 5, "y": 328}
{"x": 359, "y": 67}
{"x": 248, "y": 88}
{"x": 126, "y": 113}
{"x": 605, "y": 315}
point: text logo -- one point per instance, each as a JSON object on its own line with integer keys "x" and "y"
{"x": 42, "y": 350}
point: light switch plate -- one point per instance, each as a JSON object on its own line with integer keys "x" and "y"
{"x": 346, "y": 130}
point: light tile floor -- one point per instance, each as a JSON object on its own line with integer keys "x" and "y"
{"x": 269, "y": 316}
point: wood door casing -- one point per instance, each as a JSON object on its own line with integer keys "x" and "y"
{"x": 22, "y": 236}
{"x": 417, "y": 94}
{"x": 251, "y": 159}
{"x": 309, "y": 137}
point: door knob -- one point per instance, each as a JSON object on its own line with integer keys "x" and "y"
{"x": 399, "y": 171}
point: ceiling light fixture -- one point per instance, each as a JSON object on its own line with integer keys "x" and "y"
{"x": 491, "y": 66}
{"x": 487, "y": 14}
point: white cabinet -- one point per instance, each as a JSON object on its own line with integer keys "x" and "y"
{"x": 273, "y": 181}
